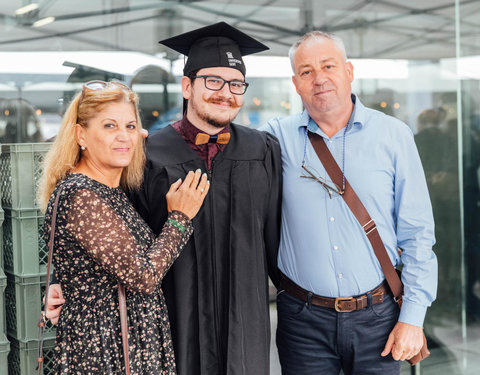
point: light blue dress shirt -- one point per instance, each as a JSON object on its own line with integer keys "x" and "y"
{"x": 323, "y": 247}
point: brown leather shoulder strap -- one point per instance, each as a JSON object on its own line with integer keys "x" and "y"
{"x": 43, "y": 318}
{"x": 122, "y": 303}
{"x": 359, "y": 211}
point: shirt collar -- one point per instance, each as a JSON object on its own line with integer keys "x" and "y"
{"x": 357, "y": 118}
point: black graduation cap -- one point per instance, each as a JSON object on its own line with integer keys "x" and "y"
{"x": 216, "y": 45}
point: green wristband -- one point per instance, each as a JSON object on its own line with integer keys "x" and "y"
{"x": 176, "y": 224}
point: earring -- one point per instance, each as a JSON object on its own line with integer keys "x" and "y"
{"x": 82, "y": 148}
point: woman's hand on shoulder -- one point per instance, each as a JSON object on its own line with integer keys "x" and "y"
{"x": 188, "y": 196}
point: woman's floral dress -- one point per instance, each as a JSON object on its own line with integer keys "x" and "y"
{"x": 101, "y": 240}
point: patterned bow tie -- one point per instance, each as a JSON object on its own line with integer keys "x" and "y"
{"x": 203, "y": 138}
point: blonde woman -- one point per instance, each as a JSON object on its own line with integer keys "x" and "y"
{"x": 100, "y": 240}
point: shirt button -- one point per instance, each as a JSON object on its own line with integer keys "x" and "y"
{"x": 332, "y": 219}
{"x": 330, "y": 141}
{"x": 335, "y": 247}
{"x": 340, "y": 275}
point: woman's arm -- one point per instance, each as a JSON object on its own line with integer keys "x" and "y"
{"x": 104, "y": 235}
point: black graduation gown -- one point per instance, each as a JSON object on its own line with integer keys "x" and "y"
{"x": 217, "y": 290}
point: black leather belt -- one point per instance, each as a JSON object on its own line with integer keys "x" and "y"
{"x": 340, "y": 304}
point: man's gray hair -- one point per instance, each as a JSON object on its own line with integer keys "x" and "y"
{"x": 317, "y": 35}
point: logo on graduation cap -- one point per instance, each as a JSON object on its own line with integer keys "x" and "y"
{"x": 232, "y": 61}
{"x": 214, "y": 46}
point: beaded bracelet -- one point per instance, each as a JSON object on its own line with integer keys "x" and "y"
{"x": 177, "y": 225}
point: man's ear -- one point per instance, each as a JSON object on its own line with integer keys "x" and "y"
{"x": 349, "y": 68}
{"x": 295, "y": 83}
{"x": 186, "y": 87}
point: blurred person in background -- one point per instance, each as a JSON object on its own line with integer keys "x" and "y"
{"x": 19, "y": 123}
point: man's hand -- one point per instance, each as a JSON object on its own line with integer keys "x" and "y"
{"x": 55, "y": 303}
{"x": 405, "y": 341}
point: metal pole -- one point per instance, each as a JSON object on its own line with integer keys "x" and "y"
{"x": 416, "y": 370}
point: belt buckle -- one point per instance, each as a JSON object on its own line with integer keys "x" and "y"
{"x": 339, "y": 299}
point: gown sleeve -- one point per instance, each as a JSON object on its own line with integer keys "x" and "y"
{"x": 273, "y": 165}
{"x": 105, "y": 236}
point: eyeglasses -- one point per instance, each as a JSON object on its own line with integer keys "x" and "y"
{"x": 215, "y": 83}
{"x": 98, "y": 85}
{"x": 330, "y": 187}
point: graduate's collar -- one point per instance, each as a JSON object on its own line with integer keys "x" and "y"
{"x": 245, "y": 144}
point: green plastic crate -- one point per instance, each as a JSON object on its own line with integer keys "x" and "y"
{"x": 24, "y": 250}
{"x": 20, "y": 172}
{"x": 3, "y": 324}
{"x": 2, "y": 215}
{"x": 22, "y": 359}
{"x": 4, "y": 350}
{"x": 23, "y": 305}
{"x": 1, "y": 226}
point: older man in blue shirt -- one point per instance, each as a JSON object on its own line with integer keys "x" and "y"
{"x": 324, "y": 251}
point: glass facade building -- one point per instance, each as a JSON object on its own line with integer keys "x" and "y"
{"x": 416, "y": 60}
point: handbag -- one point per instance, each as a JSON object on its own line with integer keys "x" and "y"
{"x": 43, "y": 316}
{"x": 368, "y": 225}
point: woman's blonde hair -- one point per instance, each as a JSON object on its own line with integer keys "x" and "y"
{"x": 65, "y": 153}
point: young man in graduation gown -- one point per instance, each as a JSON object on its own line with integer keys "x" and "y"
{"x": 217, "y": 290}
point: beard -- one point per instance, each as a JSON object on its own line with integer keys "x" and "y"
{"x": 211, "y": 118}
{"x": 216, "y": 123}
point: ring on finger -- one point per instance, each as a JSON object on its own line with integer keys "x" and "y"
{"x": 202, "y": 190}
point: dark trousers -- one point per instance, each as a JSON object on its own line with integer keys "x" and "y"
{"x": 315, "y": 340}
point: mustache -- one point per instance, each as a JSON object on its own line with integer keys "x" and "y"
{"x": 231, "y": 102}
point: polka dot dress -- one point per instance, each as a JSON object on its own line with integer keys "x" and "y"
{"x": 100, "y": 240}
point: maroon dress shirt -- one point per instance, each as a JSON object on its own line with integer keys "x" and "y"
{"x": 207, "y": 151}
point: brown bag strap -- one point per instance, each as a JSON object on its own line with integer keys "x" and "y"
{"x": 360, "y": 212}
{"x": 122, "y": 304}
{"x": 43, "y": 317}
